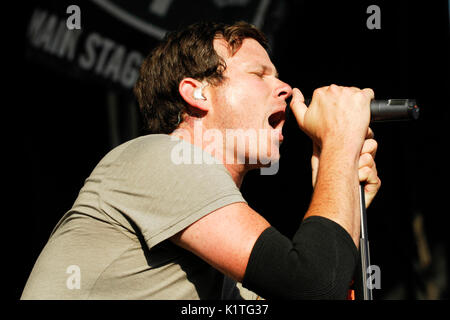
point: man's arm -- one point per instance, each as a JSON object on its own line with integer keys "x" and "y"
{"x": 224, "y": 238}
{"x": 337, "y": 120}
{"x": 367, "y": 170}
{"x": 336, "y": 194}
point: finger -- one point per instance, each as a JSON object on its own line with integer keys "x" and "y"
{"x": 370, "y": 146}
{"x": 315, "y": 163}
{"x": 321, "y": 90}
{"x": 315, "y": 157}
{"x": 366, "y": 160}
{"x": 370, "y": 134}
{"x": 299, "y": 94}
{"x": 298, "y": 106}
{"x": 368, "y": 175}
{"x": 355, "y": 89}
{"x": 369, "y": 93}
{"x": 374, "y": 186}
{"x": 332, "y": 88}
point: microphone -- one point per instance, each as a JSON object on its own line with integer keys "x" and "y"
{"x": 391, "y": 110}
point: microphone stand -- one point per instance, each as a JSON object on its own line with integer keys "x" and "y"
{"x": 364, "y": 248}
{"x": 381, "y": 110}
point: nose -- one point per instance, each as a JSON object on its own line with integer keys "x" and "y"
{"x": 283, "y": 90}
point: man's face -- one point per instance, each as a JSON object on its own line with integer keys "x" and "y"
{"x": 251, "y": 102}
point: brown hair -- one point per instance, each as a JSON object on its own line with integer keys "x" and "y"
{"x": 185, "y": 53}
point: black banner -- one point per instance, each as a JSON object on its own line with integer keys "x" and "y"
{"x": 105, "y": 41}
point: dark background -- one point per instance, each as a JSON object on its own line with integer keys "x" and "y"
{"x": 68, "y": 119}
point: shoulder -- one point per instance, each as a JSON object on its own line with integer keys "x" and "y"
{"x": 170, "y": 149}
{"x": 162, "y": 161}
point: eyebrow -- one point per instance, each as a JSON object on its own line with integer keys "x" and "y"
{"x": 266, "y": 67}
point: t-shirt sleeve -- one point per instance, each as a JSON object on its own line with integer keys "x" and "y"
{"x": 163, "y": 185}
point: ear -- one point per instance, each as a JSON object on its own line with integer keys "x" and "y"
{"x": 188, "y": 88}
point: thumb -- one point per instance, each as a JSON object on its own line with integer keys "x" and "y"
{"x": 298, "y": 106}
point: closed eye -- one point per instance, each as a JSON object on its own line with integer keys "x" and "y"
{"x": 259, "y": 74}
{"x": 265, "y": 71}
{"x": 263, "y": 74}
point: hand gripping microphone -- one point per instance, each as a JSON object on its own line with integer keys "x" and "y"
{"x": 380, "y": 111}
{"x": 391, "y": 110}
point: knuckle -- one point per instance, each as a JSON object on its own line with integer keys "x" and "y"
{"x": 364, "y": 173}
{"x": 368, "y": 159}
{"x": 374, "y": 144}
{"x": 333, "y": 88}
{"x": 371, "y": 145}
{"x": 369, "y": 92}
{"x": 318, "y": 91}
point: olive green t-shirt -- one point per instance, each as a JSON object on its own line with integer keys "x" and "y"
{"x": 113, "y": 243}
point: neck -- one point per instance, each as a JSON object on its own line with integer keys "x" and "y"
{"x": 189, "y": 134}
{"x": 237, "y": 173}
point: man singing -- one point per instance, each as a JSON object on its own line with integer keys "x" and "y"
{"x": 150, "y": 223}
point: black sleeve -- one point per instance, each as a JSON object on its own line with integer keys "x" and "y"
{"x": 317, "y": 264}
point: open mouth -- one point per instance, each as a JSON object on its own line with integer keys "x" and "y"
{"x": 276, "y": 119}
